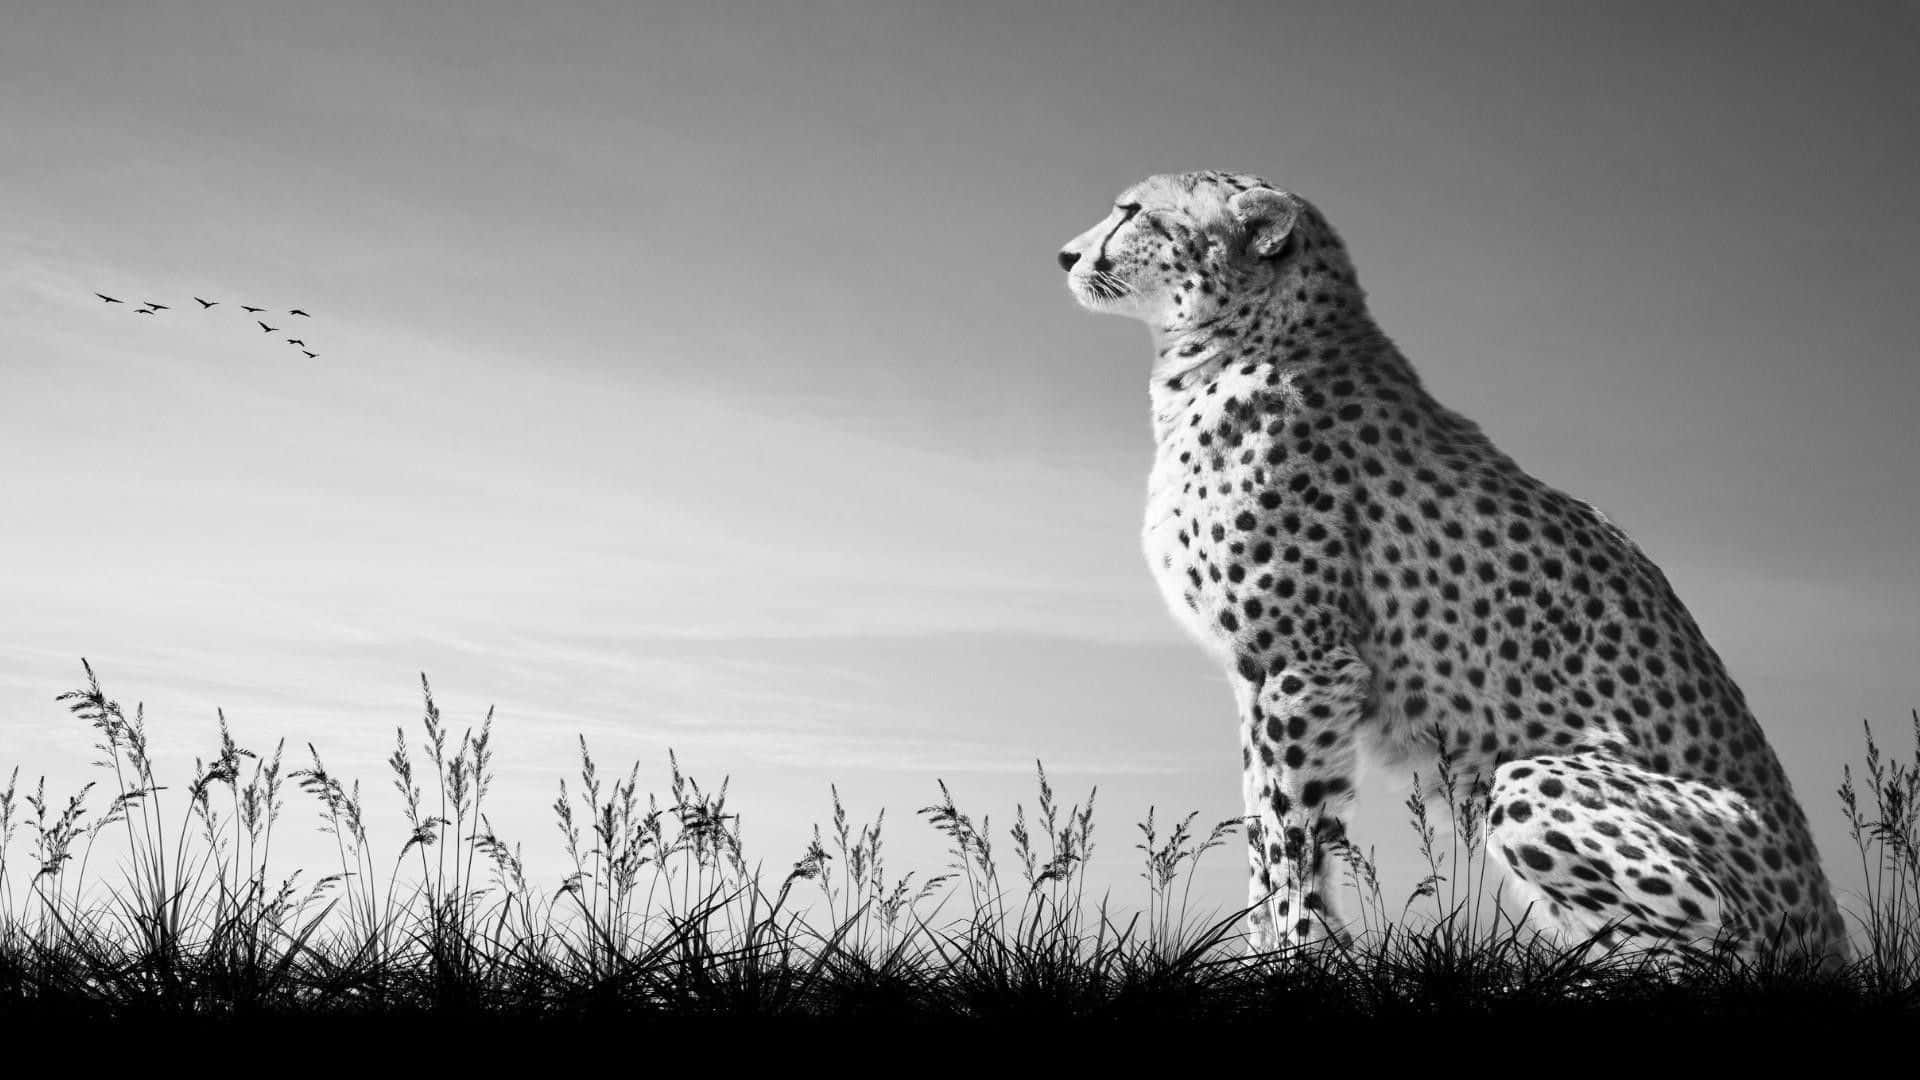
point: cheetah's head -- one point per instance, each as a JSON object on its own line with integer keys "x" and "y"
{"x": 1176, "y": 249}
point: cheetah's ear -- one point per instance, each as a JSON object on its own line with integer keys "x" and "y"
{"x": 1266, "y": 217}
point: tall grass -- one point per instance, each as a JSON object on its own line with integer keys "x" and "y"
{"x": 1886, "y": 838}
{"x": 661, "y": 913}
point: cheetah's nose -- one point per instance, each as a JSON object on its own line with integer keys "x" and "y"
{"x": 1068, "y": 258}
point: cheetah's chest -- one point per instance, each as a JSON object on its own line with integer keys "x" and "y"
{"x": 1173, "y": 539}
{"x": 1194, "y": 545}
{"x": 1208, "y": 475}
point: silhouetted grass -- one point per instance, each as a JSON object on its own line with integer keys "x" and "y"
{"x": 661, "y": 915}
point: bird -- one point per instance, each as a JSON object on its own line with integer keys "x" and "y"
{"x": 244, "y": 307}
{"x": 310, "y": 355}
{"x": 158, "y": 307}
{"x": 268, "y": 329}
{"x": 206, "y": 303}
{"x": 108, "y": 299}
{"x": 296, "y": 341}
{"x": 297, "y": 311}
{"x": 145, "y": 311}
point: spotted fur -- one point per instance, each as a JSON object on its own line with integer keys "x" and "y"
{"x": 1371, "y": 570}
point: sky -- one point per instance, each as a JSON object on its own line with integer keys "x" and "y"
{"x": 703, "y": 378}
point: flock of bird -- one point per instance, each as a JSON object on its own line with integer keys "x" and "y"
{"x": 151, "y": 308}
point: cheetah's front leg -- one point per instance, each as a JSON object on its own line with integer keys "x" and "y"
{"x": 1298, "y": 730}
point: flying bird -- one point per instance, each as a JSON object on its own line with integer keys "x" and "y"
{"x": 158, "y": 307}
{"x": 297, "y": 311}
{"x": 206, "y": 303}
{"x": 268, "y": 329}
{"x": 296, "y": 341}
{"x": 310, "y": 355}
{"x": 146, "y": 311}
{"x": 244, "y": 307}
{"x": 108, "y": 299}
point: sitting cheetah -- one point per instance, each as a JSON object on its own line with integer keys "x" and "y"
{"x": 1373, "y": 572}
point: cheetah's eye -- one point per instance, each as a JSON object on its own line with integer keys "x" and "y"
{"x": 1128, "y": 209}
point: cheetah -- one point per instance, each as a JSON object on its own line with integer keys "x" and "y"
{"x": 1382, "y": 583}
